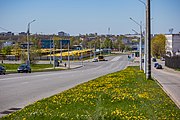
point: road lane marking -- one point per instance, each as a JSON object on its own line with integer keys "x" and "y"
{"x": 116, "y": 58}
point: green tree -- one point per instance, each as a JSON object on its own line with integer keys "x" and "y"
{"x": 6, "y": 50}
{"x": 128, "y": 48}
{"x": 158, "y": 46}
{"x": 97, "y": 42}
{"x": 35, "y": 50}
{"x": 119, "y": 44}
{"x": 107, "y": 43}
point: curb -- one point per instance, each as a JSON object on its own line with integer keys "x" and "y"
{"x": 77, "y": 67}
{"x": 167, "y": 93}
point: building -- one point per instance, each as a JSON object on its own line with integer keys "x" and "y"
{"x": 6, "y": 34}
{"x": 23, "y": 33}
{"x": 8, "y": 43}
{"x": 172, "y": 44}
{"x": 63, "y": 34}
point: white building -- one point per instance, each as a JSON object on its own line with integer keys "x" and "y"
{"x": 172, "y": 43}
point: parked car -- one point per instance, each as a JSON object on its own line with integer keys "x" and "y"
{"x": 159, "y": 66}
{"x": 24, "y": 68}
{"x": 94, "y": 60}
{"x": 143, "y": 60}
{"x": 154, "y": 60}
{"x": 2, "y": 70}
{"x": 155, "y": 64}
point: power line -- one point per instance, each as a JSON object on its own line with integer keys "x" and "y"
{"x": 4, "y": 29}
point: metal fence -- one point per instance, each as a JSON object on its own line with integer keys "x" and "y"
{"x": 173, "y": 62}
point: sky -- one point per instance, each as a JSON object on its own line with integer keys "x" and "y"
{"x": 87, "y": 16}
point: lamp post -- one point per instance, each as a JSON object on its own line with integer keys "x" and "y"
{"x": 135, "y": 31}
{"x": 28, "y": 46}
{"x": 145, "y": 41}
{"x": 140, "y": 42}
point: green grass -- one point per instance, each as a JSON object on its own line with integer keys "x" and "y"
{"x": 12, "y": 68}
{"x": 121, "y": 95}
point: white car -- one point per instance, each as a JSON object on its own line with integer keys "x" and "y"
{"x": 162, "y": 59}
{"x": 94, "y": 60}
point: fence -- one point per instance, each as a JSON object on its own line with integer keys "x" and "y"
{"x": 173, "y": 62}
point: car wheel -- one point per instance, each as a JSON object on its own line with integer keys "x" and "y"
{"x": 18, "y": 71}
{"x": 29, "y": 71}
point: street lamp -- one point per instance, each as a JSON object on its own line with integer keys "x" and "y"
{"x": 135, "y": 31}
{"x": 145, "y": 41}
{"x": 28, "y": 46}
{"x": 140, "y": 42}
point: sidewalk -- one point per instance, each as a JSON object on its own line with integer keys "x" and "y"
{"x": 168, "y": 79}
{"x": 71, "y": 66}
{"x": 165, "y": 68}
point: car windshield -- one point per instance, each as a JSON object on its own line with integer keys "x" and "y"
{"x": 23, "y": 65}
{"x": 1, "y": 67}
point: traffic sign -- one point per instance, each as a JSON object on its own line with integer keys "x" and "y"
{"x": 65, "y": 42}
{"x": 46, "y": 43}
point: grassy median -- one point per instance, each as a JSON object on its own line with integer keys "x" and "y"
{"x": 121, "y": 95}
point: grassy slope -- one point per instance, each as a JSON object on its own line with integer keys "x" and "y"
{"x": 121, "y": 95}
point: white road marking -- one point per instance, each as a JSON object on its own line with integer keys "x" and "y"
{"x": 116, "y": 58}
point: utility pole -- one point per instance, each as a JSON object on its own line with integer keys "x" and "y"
{"x": 109, "y": 40}
{"x": 94, "y": 50}
{"x": 61, "y": 51}
{"x": 53, "y": 53}
{"x": 50, "y": 50}
{"x": 90, "y": 51}
{"x": 68, "y": 56}
{"x": 148, "y": 75}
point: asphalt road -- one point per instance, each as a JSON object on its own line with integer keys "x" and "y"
{"x": 169, "y": 80}
{"x": 19, "y": 90}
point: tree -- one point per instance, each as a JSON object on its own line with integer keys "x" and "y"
{"x": 6, "y": 50}
{"x": 158, "y": 46}
{"x": 119, "y": 44}
{"x": 35, "y": 50}
{"x": 107, "y": 43}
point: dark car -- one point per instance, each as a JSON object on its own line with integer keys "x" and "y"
{"x": 156, "y": 64}
{"x": 24, "y": 68}
{"x": 2, "y": 70}
{"x": 159, "y": 66}
{"x": 142, "y": 60}
{"x": 154, "y": 59}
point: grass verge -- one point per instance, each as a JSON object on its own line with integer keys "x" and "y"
{"x": 121, "y": 95}
{"x": 12, "y": 68}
